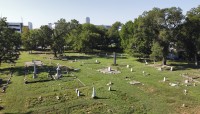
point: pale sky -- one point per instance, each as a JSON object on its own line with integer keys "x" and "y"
{"x": 106, "y": 12}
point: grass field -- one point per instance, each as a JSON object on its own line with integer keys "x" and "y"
{"x": 152, "y": 96}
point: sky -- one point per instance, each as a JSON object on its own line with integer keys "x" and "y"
{"x": 101, "y": 12}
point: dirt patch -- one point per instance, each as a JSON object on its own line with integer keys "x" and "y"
{"x": 188, "y": 110}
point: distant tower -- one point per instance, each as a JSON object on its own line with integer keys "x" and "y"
{"x": 30, "y": 25}
{"x": 87, "y": 20}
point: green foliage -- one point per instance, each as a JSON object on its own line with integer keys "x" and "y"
{"x": 156, "y": 52}
{"x": 10, "y": 42}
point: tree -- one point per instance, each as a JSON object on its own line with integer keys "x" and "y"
{"x": 58, "y": 36}
{"x": 113, "y": 34}
{"x": 10, "y": 42}
{"x": 45, "y": 38}
{"x": 190, "y": 34}
{"x": 156, "y": 51}
{"x": 163, "y": 23}
{"x": 30, "y": 38}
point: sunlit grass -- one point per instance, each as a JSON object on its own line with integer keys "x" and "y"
{"x": 152, "y": 96}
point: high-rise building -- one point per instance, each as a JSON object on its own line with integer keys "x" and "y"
{"x": 30, "y": 25}
{"x": 16, "y": 26}
{"x": 87, "y": 20}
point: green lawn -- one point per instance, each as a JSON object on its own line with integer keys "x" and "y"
{"x": 152, "y": 96}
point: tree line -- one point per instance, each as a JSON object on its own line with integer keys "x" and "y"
{"x": 154, "y": 34}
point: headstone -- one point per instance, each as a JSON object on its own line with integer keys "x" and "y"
{"x": 76, "y": 90}
{"x": 93, "y": 93}
{"x": 57, "y": 97}
{"x": 58, "y": 74}
{"x": 194, "y": 84}
{"x": 127, "y": 66}
{"x": 143, "y": 72}
{"x": 173, "y": 84}
{"x": 78, "y": 93}
{"x": 109, "y": 88}
{"x": 109, "y": 69}
{"x": 97, "y": 61}
{"x": 186, "y": 81}
{"x": 110, "y": 83}
{"x": 35, "y": 71}
{"x": 164, "y": 79}
{"x": 131, "y": 69}
{"x": 185, "y": 92}
{"x": 171, "y": 69}
{"x": 114, "y": 55}
{"x": 160, "y": 69}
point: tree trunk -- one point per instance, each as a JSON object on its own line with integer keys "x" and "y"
{"x": 55, "y": 54}
{"x": 196, "y": 60}
{"x": 164, "y": 61}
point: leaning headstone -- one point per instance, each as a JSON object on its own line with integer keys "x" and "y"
{"x": 131, "y": 69}
{"x": 127, "y": 66}
{"x": 93, "y": 93}
{"x": 78, "y": 93}
{"x": 76, "y": 90}
{"x": 109, "y": 88}
{"x": 114, "y": 55}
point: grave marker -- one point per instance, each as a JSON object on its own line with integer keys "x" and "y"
{"x": 114, "y": 55}
{"x": 35, "y": 71}
{"x": 93, "y": 93}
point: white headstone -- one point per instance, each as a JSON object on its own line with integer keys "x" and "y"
{"x": 109, "y": 69}
{"x": 76, "y": 90}
{"x": 194, "y": 84}
{"x": 164, "y": 79}
{"x": 96, "y": 61}
{"x": 186, "y": 81}
{"x": 171, "y": 69}
{"x": 78, "y": 93}
{"x": 185, "y": 92}
{"x": 131, "y": 69}
{"x": 93, "y": 93}
{"x": 160, "y": 69}
{"x": 127, "y": 66}
{"x": 109, "y": 88}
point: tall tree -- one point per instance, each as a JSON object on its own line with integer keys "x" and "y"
{"x": 45, "y": 38}
{"x": 190, "y": 33}
{"x": 113, "y": 34}
{"x": 58, "y": 37}
{"x": 10, "y": 42}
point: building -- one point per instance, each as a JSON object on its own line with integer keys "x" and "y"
{"x": 52, "y": 25}
{"x": 16, "y": 26}
{"x": 88, "y": 20}
{"x": 30, "y": 26}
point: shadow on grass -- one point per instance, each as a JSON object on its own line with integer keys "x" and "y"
{"x": 100, "y": 97}
{"x": 184, "y": 66}
{"x": 38, "y": 81}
